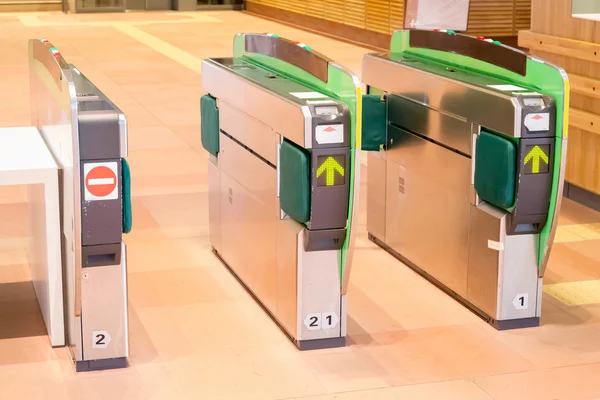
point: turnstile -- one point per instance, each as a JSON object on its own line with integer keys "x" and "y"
{"x": 282, "y": 126}
{"x": 87, "y": 134}
{"x": 466, "y": 174}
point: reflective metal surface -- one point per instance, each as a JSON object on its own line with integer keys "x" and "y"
{"x": 263, "y": 246}
{"x": 318, "y": 289}
{"x": 54, "y": 113}
{"x": 433, "y": 216}
{"x": 447, "y": 130}
{"x": 427, "y": 207}
{"x": 486, "y": 223}
{"x": 254, "y": 100}
{"x": 79, "y": 124}
{"x": 376, "y": 189}
{"x": 248, "y": 220}
{"x": 455, "y": 93}
{"x": 259, "y": 137}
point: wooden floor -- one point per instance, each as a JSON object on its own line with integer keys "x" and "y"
{"x": 195, "y": 332}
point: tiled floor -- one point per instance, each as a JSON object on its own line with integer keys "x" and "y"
{"x": 195, "y": 333}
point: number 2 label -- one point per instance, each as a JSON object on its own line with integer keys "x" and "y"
{"x": 100, "y": 339}
{"x": 313, "y": 322}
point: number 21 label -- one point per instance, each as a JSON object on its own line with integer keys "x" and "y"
{"x": 318, "y": 321}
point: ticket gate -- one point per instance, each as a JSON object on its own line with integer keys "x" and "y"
{"x": 87, "y": 135}
{"x": 465, "y": 177}
{"x": 282, "y": 125}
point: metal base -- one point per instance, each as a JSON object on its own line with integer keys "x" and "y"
{"x": 509, "y": 324}
{"x": 100, "y": 365}
{"x": 500, "y": 325}
{"x": 318, "y": 344}
{"x": 301, "y": 344}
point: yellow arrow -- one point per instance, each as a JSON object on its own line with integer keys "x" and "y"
{"x": 330, "y": 166}
{"x": 534, "y": 155}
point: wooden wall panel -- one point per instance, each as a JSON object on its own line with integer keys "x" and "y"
{"x": 493, "y": 18}
{"x": 378, "y": 15}
{"x": 396, "y": 15}
{"x": 354, "y": 13}
{"x": 498, "y": 18}
{"x": 574, "y": 44}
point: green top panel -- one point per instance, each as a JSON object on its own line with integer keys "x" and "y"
{"x": 491, "y": 58}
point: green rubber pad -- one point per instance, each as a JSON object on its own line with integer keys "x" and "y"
{"x": 209, "y": 129}
{"x": 495, "y": 169}
{"x": 126, "y": 196}
{"x": 294, "y": 181}
{"x": 373, "y": 122}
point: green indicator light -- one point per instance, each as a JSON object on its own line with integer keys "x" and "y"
{"x": 330, "y": 166}
{"x": 276, "y": 36}
{"x": 497, "y": 42}
{"x": 450, "y": 31}
{"x": 53, "y": 49}
{"x": 308, "y": 48}
{"x": 534, "y": 156}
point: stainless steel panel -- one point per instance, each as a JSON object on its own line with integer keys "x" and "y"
{"x": 376, "y": 188}
{"x": 287, "y": 274}
{"x": 104, "y": 309}
{"x": 449, "y": 130}
{"x": 214, "y": 202}
{"x": 249, "y": 220}
{"x": 252, "y": 133}
{"x": 318, "y": 289}
{"x": 427, "y": 216}
{"x": 473, "y": 196}
{"x": 485, "y": 224}
{"x": 538, "y": 300}
{"x": 254, "y": 174}
{"x": 344, "y": 316}
{"x": 475, "y": 103}
{"x": 284, "y": 116}
{"x": 518, "y": 276}
{"x": 54, "y": 113}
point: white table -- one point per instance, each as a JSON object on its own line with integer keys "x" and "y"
{"x": 25, "y": 160}
{"x": 589, "y": 16}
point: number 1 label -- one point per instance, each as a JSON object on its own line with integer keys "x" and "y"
{"x": 521, "y": 301}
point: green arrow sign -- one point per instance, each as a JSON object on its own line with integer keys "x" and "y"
{"x": 534, "y": 156}
{"x": 330, "y": 166}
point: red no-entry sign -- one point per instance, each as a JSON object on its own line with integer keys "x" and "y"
{"x": 101, "y": 182}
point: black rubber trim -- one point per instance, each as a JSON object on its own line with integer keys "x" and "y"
{"x": 289, "y": 52}
{"x": 101, "y": 365}
{"x": 502, "y": 56}
{"x": 318, "y": 344}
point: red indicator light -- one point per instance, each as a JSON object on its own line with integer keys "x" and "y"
{"x": 330, "y": 129}
{"x": 480, "y": 38}
{"x": 537, "y": 117}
